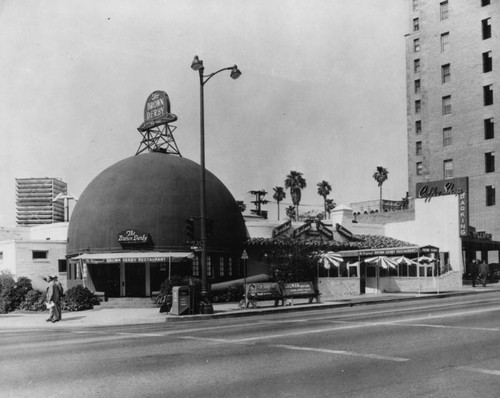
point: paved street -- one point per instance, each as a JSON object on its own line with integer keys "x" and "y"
{"x": 444, "y": 347}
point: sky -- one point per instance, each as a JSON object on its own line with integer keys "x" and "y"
{"x": 322, "y": 91}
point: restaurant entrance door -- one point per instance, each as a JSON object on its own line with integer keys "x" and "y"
{"x": 135, "y": 279}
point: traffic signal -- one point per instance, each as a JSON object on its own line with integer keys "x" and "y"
{"x": 210, "y": 228}
{"x": 190, "y": 229}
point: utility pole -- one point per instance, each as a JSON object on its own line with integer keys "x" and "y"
{"x": 258, "y": 202}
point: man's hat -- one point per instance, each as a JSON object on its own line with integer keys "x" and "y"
{"x": 48, "y": 278}
{"x": 55, "y": 277}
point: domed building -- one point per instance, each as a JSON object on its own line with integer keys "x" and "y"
{"x": 127, "y": 233}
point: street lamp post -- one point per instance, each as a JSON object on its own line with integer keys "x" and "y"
{"x": 197, "y": 65}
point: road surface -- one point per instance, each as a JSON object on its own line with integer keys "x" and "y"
{"x": 446, "y": 347}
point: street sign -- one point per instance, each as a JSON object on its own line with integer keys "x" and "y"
{"x": 244, "y": 256}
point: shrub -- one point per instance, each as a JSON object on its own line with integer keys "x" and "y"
{"x": 6, "y": 280}
{"x": 79, "y": 298}
{"x": 233, "y": 293}
{"x": 167, "y": 285}
{"x": 12, "y": 293}
{"x": 33, "y": 301}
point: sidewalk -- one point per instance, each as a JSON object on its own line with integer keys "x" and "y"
{"x": 135, "y": 316}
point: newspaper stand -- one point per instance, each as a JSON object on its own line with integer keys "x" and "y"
{"x": 181, "y": 300}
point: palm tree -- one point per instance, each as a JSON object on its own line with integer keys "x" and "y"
{"x": 290, "y": 212}
{"x": 329, "y": 206}
{"x": 296, "y": 182}
{"x": 279, "y": 195}
{"x": 324, "y": 189}
{"x": 381, "y": 175}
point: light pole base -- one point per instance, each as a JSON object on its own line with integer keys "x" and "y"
{"x": 206, "y": 308}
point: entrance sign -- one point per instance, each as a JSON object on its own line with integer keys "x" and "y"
{"x": 324, "y": 230}
{"x": 244, "y": 255}
{"x": 282, "y": 228}
{"x": 453, "y": 186}
{"x": 302, "y": 229}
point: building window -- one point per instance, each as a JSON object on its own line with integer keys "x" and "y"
{"x": 209, "y": 266}
{"x": 446, "y": 105}
{"x": 418, "y": 148}
{"x": 443, "y": 7}
{"x": 415, "y": 25}
{"x": 489, "y": 129}
{"x": 447, "y": 136}
{"x": 40, "y": 254}
{"x": 445, "y": 73}
{"x": 196, "y": 266}
{"x": 490, "y": 195}
{"x": 62, "y": 265}
{"x": 229, "y": 266}
{"x": 415, "y": 5}
{"x": 485, "y": 3}
{"x": 221, "y": 266}
{"x": 418, "y": 127}
{"x": 419, "y": 168}
{"x": 489, "y": 162}
{"x": 487, "y": 62}
{"x": 417, "y": 86}
{"x": 416, "y": 45}
{"x": 448, "y": 168}
{"x": 486, "y": 28}
{"x": 417, "y": 106}
{"x": 416, "y": 65}
{"x": 488, "y": 95}
{"x": 445, "y": 42}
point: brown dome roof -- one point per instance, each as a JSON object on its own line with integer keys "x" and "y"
{"x": 153, "y": 193}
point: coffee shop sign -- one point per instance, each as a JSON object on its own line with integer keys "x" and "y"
{"x": 428, "y": 192}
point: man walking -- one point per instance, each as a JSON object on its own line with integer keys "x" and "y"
{"x": 474, "y": 272}
{"x": 483, "y": 272}
{"x": 54, "y": 295}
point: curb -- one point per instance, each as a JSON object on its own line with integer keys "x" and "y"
{"x": 317, "y": 306}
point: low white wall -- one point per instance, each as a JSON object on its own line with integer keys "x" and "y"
{"x": 436, "y": 223}
{"x": 446, "y": 282}
{"x": 338, "y": 287}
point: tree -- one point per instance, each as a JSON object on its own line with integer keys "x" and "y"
{"x": 290, "y": 212}
{"x": 295, "y": 182}
{"x": 279, "y": 195}
{"x": 381, "y": 175}
{"x": 324, "y": 189}
{"x": 330, "y": 205}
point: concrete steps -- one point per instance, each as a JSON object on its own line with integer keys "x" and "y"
{"x": 129, "y": 302}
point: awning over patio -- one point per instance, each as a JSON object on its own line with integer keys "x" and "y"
{"x": 132, "y": 257}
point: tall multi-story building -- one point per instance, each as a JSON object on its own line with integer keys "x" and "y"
{"x": 35, "y": 201}
{"x": 453, "y": 98}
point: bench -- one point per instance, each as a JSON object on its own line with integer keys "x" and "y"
{"x": 299, "y": 290}
{"x": 270, "y": 291}
{"x": 277, "y": 292}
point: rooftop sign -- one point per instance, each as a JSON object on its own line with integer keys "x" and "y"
{"x": 452, "y": 186}
{"x": 157, "y": 110}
